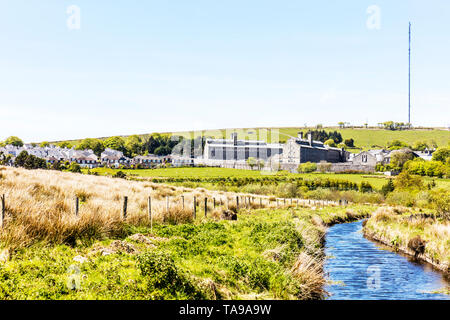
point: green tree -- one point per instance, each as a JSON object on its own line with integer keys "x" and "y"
{"x": 15, "y": 141}
{"x": 388, "y": 187}
{"x": 21, "y": 158}
{"x": 163, "y": 150}
{"x": 400, "y": 157}
{"x": 441, "y": 154}
{"x": 64, "y": 144}
{"x": 115, "y": 143}
{"x": 406, "y": 181}
{"x": 420, "y": 146}
{"x": 396, "y": 145}
{"x": 330, "y": 143}
{"x": 251, "y": 162}
{"x": 349, "y": 143}
{"x": 95, "y": 145}
{"x": 134, "y": 146}
{"x": 44, "y": 144}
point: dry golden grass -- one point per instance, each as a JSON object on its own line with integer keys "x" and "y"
{"x": 309, "y": 270}
{"x": 40, "y": 205}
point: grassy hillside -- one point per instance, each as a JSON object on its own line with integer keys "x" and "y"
{"x": 364, "y": 138}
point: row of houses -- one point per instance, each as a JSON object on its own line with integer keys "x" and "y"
{"x": 87, "y": 158}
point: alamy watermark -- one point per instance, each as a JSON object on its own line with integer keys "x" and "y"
{"x": 373, "y": 21}
{"x": 374, "y": 277}
{"x": 73, "y": 277}
{"x": 74, "y": 17}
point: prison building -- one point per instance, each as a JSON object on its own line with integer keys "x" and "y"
{"x": 239, "y": 150}
{"x": 300, "y": 150}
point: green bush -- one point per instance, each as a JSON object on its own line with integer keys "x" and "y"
{"x": 307, "y": 167}
{"x": 162, "y": 275}
{"x": 401, "y": 198}
{"x": 74, "y": 167}
{"x": 440, "y": 199}
{"x": 120, "y": 174}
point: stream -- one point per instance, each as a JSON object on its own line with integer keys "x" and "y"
{"x": 359, "y": 269}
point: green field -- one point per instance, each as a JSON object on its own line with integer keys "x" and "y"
{"x": 376, "y": 180}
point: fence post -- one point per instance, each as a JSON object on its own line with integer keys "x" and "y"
{"x": 77, "y": 205}
{"x": 2, "y": 198}
{"x": 182, "y": 200}
{"x": 237, "y": 203}
{"x": 214, "y": 201}
{"x": 206, "y": 206}
{"x": 297, "y": 203}
{"x": 125, "y": 204}
{"x": 195, "y": 207}
{"x": 167, "y": 204}
{"x": 149, "y": 207}
{"x": 260, "y": 202}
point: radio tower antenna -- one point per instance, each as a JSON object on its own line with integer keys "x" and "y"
{"x": 409, "y": 77}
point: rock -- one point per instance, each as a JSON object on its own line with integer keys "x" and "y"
{"x": 80, "y": 259}
{"x": 228, "y": 215}
{"x": 141, "y": 238}
{"x": 417, "y": 245}
{"x": 106, "y": 252}
{"x": 122, "y": 246}
{"x": 116, "y": 246}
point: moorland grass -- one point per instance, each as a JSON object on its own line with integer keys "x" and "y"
{"x": 265, "y": 254}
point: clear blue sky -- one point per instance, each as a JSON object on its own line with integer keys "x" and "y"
{"x": 144, "y": 66}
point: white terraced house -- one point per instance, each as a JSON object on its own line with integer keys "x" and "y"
{"x": 113, "y": 158}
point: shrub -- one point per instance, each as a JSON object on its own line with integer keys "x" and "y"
{"x": 324, "y": 167}
{"x": 161, "y": 273}
{"x": 159, "y": 267}
{"x": 349, "y": 143}
{"x": 387, "y": 188}
{"x": 307, "y": 167}
{"x": 406, "y": 181}
{"x": 402, "y": 198}
{"x": 120, "y": 174}
{"x": 440, "y": 199}
{"x": 441, "y": 154}
{"x": 74, "y": 167}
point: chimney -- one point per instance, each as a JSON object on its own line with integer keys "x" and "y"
{"x": 310, "y": 138}
{"x": 234, "y": 138}
{"x": 300, "y": 135}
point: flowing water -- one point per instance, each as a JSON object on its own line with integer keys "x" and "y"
{"x": 357, "y": 268}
